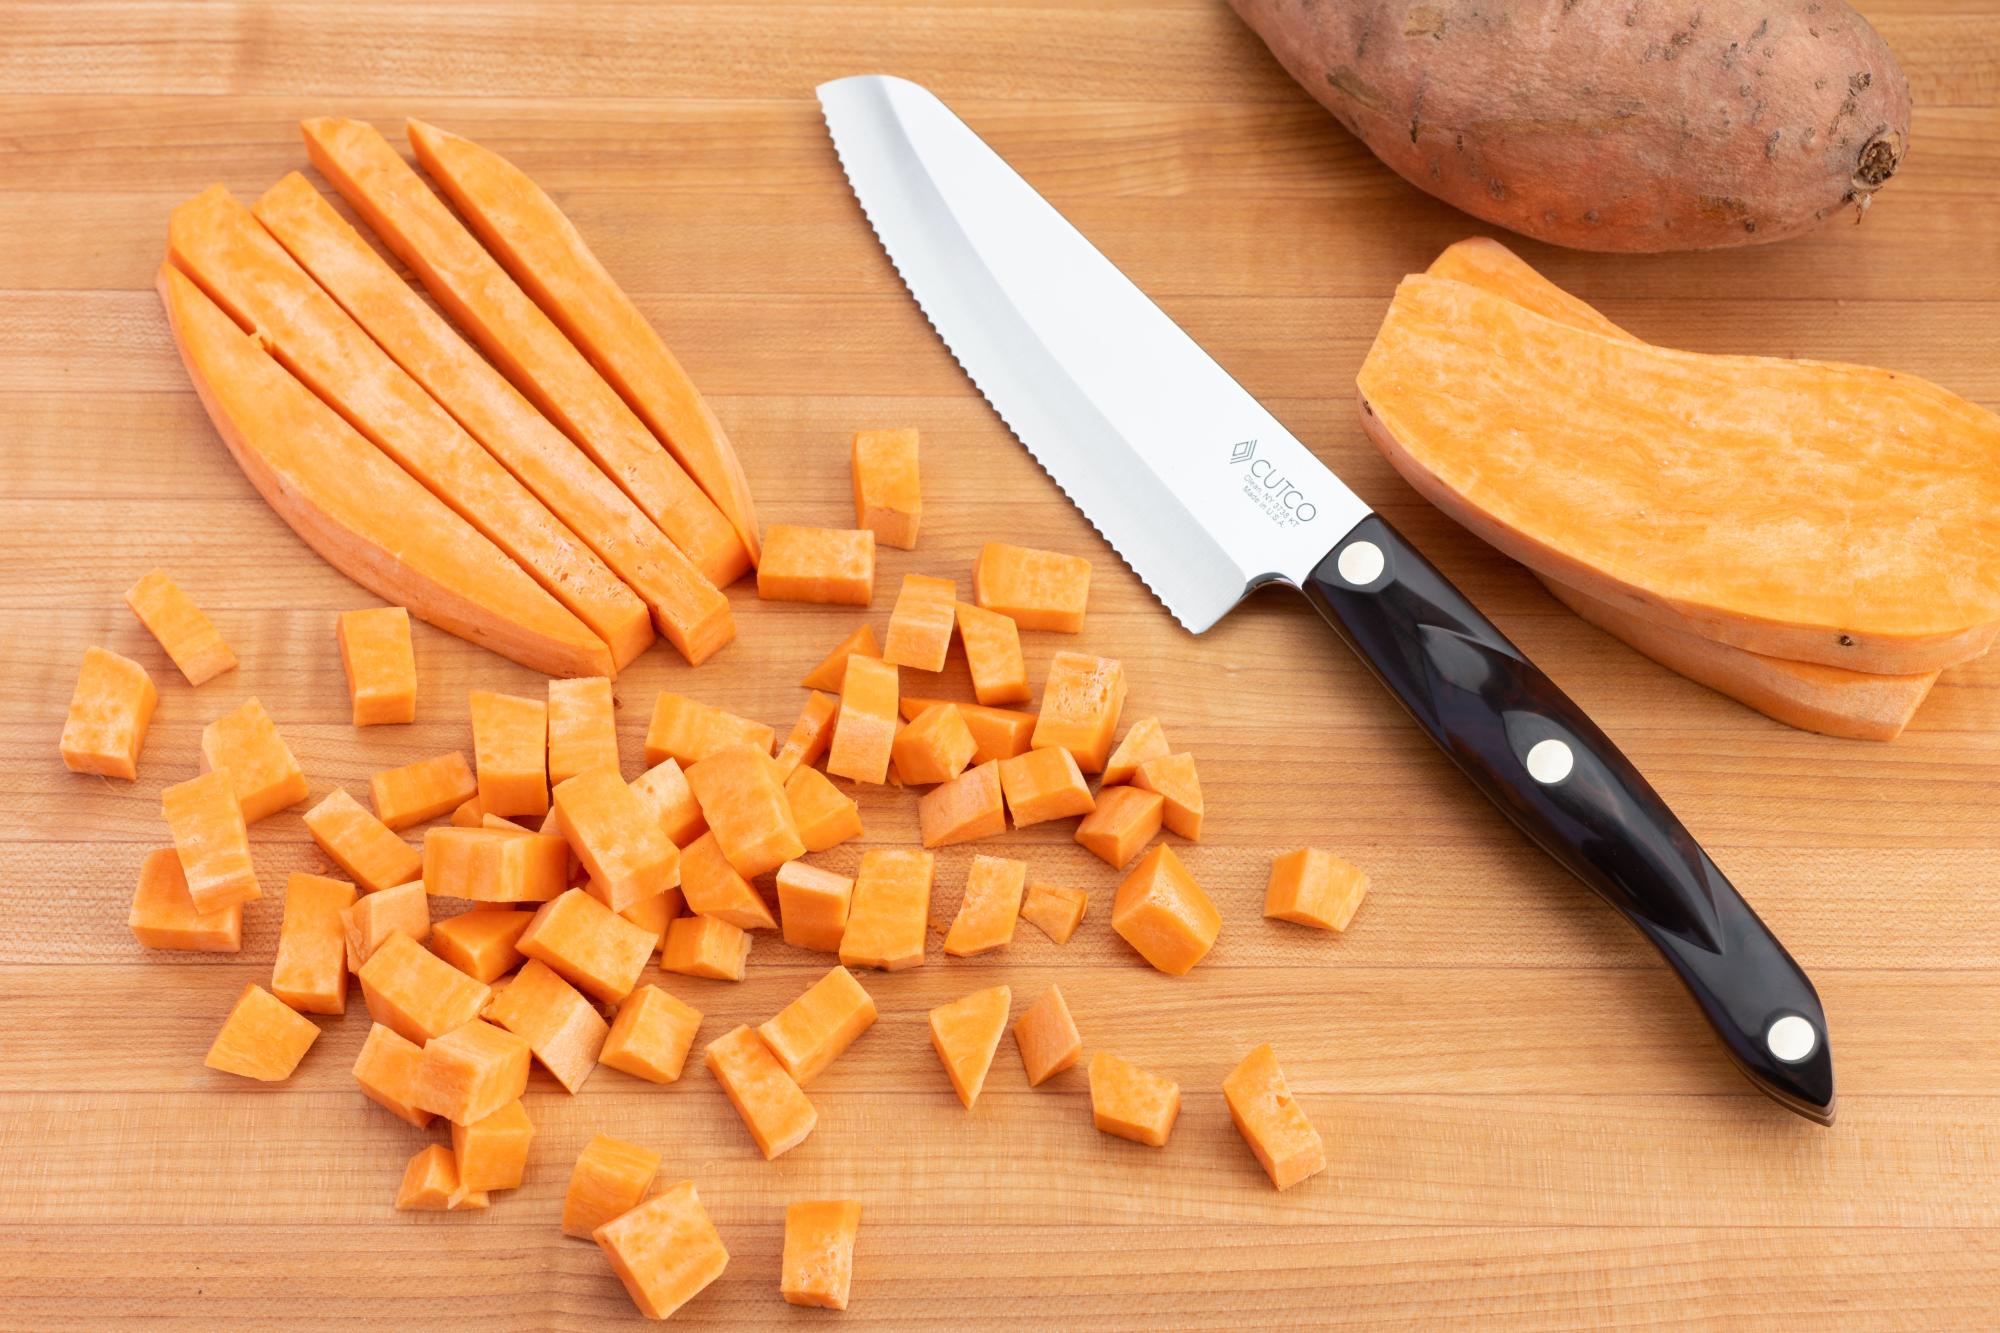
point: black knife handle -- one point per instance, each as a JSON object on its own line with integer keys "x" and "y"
{"x": 1548, "y": 767}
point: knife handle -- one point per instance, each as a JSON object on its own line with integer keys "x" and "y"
{"x": 1547, "y": 766}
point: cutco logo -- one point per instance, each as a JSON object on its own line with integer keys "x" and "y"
{"x": 1270, "y": 490}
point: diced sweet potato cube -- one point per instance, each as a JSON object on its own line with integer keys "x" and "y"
{"x": 1047, "y": 1037}
{"x": 310, "y": 972}
{"x": 472, "y": 1071}
{"x": 189, "y": 637}
{"x": 664, "y": 786}
{"x": 830, "y": 566}
{"x": 380, "y": 664}
{"x": 1081, "y": 700}
{"x": 163, "y": 915}
{"x": 368, "y": 923}
{"x": 510, "y": 750}
{"x": 492, "y": 1154}
{"x": 713, "y": 888}
{"x": 812, "y": 904}
{"x": 810, "y": 1033}
{"x": 1000, "y": 733}
{"x": 1035, "y": 589}
{"x": 431, "y": 1184}
{"x": 1130, "y": 1102}
{"x": 966, "y": 808}
{"x": 212, "y": 842}
{"x": 245, "y": 744}
{"x": 666, "y": 1251}
{"x": 1314, "y": 888}
{"x": 583, "y": 728}
{"x": 610, "y": 1177}
{"x": 920, "y": 625}
{"x": 705, "y": 946}
{"x": 818, "y": 1266}
{"x": 366, "y": 850}
{"x": 108, "y": 715}
{"x": 263, "y": 1038}
{"x": 832, "y": 669}
{"x": 588, "y": 944}
{"x": 745, "y": 805}
{"x": 411, "y": 989}
{"x": 1161, "y": 912}
{"x": 562, "y": 1028}
{"x": 1144, "y": 739}
{"x": 1126, "y": 818}
{"x": 387, "y": 1072}
{"x": 810, "y": 735}
{"x": 689, "y": 731}
{"x": 489, "y": 865}
{"x": 480, "y": 944}
{"x": 888, "y": 495}
{"x": 1173, "y": 777}
{"x": 991, "y": 905}
{"x": 865, "y": 731}
{"x": 769, "y": 1100}
{"x": 1044, "y": 784}
{"x": 824, "y": 815}
{"x": 617, "y": 836}
{"x": 1269, "y": 1118}
{"x": 934, "y": 748}
{"x": 426, "y": 790}
{"x": 966, "y": 1033}
{"x": 889, "y": 915}
{"x": 651, "y": 1036}
{"x": 1055, "y": 910}
{"x": 992, "y": 655}
{"x": 652, "y": 914}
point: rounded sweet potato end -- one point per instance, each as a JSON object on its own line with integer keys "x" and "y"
{"x": 1878, "y": 161}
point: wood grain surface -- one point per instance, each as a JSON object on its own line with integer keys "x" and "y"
{"x": 1527, "y": 1123}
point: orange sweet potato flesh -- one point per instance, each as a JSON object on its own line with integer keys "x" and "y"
{"x": 824, "y": 815}
{"x": 967, "y": 808}
{"x": 419, "y": 792}
{"x": 364, "y": 515}
{"x": 1131, "y": 1102}
{"x": 212, "y": 842}
{"x": 833, "y": 667}
{"x": 1047, "y": 1037}
{"x": 888, "y": 491}
{"x": 366, "y": 850}
{"x": 609, "y": 1179}
{"x": 865, "y": 731}
{"x": 588, "y": 945}
{"x": 966, "y": 1033}
{"x": 828, "y": 566}
{"x": 686, "y": 607}
{"x": 380, "y": 663}
{"x": 714, "y": 888}
{"x": 108, "y": 715}
{"x": 215, "y": 240}
{"x": 990, "y": 907}
{"x": 1271, "y": 1121}
{"x": 163, "y": 915}
{"x": 773, "y": 1107}
{"x": 993, "y": 655}
{"x": 310, "y": 970}
{"x": 818, "y": 1262}
{"x": 705, "y": 946}
{"x": 665, "y": 1251}
{"x": 187, "y": 634}
{"x": 933, "y": 747}
{"x": 262, "y": 1038}
{"x": 1001, "y": 733}
{"x": 810, "y": 735}
{"x": 813, "y": 1030}
{"x": 744, "y": 803}
{"x": 651, "y": 1036}
{"x": 561, "y": 1027}
{"x": 542, "y": 248}
{"x": 888, "y": 917}
{"x": 521, "y": 340}
{"x": 1803, "y": 510}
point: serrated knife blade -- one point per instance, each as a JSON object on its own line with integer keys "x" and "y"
{"x": 1206, "y": 496}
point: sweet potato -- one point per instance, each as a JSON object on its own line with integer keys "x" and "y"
{"x": 865, "y": 731}
{"x": 609, "y": 1179}
{"x": 810, "y": 1033}
{"x": 1143, "y": 740}
{"x": 366, "y": 850}
{"x": 1611, "y": 128}
{"x": 1124, "y": 820}
{"x": 262, "y": 1038}
{"x": 412, "y": 990}
{"x": 109, "y": 713}
{"x": 966, "y": 1033}
{"x": 664, "y": 1251}
{"x": 818, "y": 1262}
{"x": 829, "y": 566}
{"x": 481, "y": 944}
{"x": 1054, "y": 910}
{"x": 1270, "y": 1120}
{"x": 825, "y": 815}
{"x": 715, "y": 888}
{"x": 1047, "y": 1037}
{"x": 431, "y": 1184}
{"x": 386, "y": 1069}
{"x": 310, "y": 970}
{"x": 651, "y": 1036}
{"x": 1314, "y": 888}
{"x": 990, "y": 907}
{"x": 686, "y": 607}
{"x": 372, "y": 920}
{"x": 1035, "y": 589}
{"x": 163, "y": 915}
{"x": 380, "y": 665}
{"x": 932, "y": 748}
{"x": 888, "y": 495}
{"x": 1044, "y": 784}
{"x": 1173, "y": 776}
{"x": 832, "y": 669}
{"x": 364, "y": 515}
{"x": 510, "y": 753}
{"x": 582, "y": 728}
{"x": 1001, "y": 733}
{"x": 992, "y": 655}
{"x": 812, "y": 904}
{"x": 773, "y": 1107}
{"x": 920, "y": 625}
{"x": 689, "y": 731}
{"x": 492, "y": 1152}
{"x": 745, "y": 805}
{"x": 212, "y": 841}
{"x": 471, "y": 1071}
{"x": 810, "y": 735}
{"x": 1131, "y": 1102}
{"x": 617, "y": 836}
{"x": 665, "y": 787}
{"x": 1163, "y": 913}
{"x": 546, "y": 254}
{"x": 419, "y": 792}
{"x": 188, "y": 636}
{"x": 705, "y": 946}
{"x": 486, "y": 865}
{"x": 888, "y": 918}
{"x": 588, "y": 945}
{"x": 562, "y": 1028}
{"x": 245, "y": 744}
{"x": 1804, "y": 510}
{"x": 967, "y": 808}
{"x": 1081, "y": 700}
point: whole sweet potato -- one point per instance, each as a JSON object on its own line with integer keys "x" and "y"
{"x": 1626, "y": 125}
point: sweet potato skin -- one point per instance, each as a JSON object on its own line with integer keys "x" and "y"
{"x": 1634, "y": 127}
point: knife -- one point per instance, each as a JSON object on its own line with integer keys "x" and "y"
{"x": 1207, "y": 497}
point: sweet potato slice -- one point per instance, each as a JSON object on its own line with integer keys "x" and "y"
{"x": 510, "y": 753}
{"x": 1054, "y": 910}
{"x": 583, "y": 727}
{"x": 651, "y": 1036}
{"x": 1131, "y": 1102}
{"x": 1035, "y": 589}
{"x": 412, "y": 990}
{"x": 588, "y": 945}
{"x": 1081, "y": 700}
{"x": 824, "y": 815}
{"x": 812, "y": 904}
{"x": 1163, "y": 914}
{"x": 471, "y": 1071}
{"x": 109, "y": 713}
{"x": 686, "y": 607}
{"x": 386, "y": 1069}
{"x": 1173, "y": 776}
{"x": 664, "y": 786}
{"x": 215, "y": 240}
{"x": 163, "y": 915}
{"x": 966, "y": 1033}
{"x": 262, "y": 1038}
{"x": 920, "y": 625}
{"x": 818, "y": 1262}
{"x": 366, "y": 850}
{"x": 813, "y": 1030}
{"x": 212, "y": 842}
{"x": 1047, "y": 1037}
{"x": 562, "y": 1028}
{"x": 617, "y": 836}
{"x": 965, "y": 809}
{"x": 380, "y": 665}
{"x": 827, "y": 566}
{"x": 745, "y": 805}
{"x": 188, "y": 636}
{"x": 888, "y": 493}
{"x": 865, "y": 732}
{"x": 431, "y": 1184}
{"x": 310, "y": 971}
{"x": 1314, "y": 888}
{"x": 419, "y": 792}
{"x": 773, "y": 1107}
{"x": 481, "y": 944}
{"x": 1044, "y": 784}
{"x": 714, "y": 888}
{"x": 486, "y": 865}
{"x": 664, "y": 1251}
{"x": 992, "y": 655}
{"x": 609, "y": 1179}
{"x": 1270, "y": 1120}
{"x": 521, "y": 340}
{"x": 832, "y": 669}
{"x": 990, "y": 907}
{"x": 889, "y": 917}
{"x": 1124, "y": 820}
{"x": 934, "y": 747}
{"x": 810, "y": 735}
{"x": 492, "y": 1153}
{"x": 1001, "y": 733}
{"x": 544, "y": 252}
{"x": 1633, "y": 472}
{"x": 245, "y": 743}
{"x": 369, "y": 922}
{"x": 364, "y": 515}
{"x": 1144, "y": 740}
{"x": 705, "y": 946}
{"x": 689, "y": 731}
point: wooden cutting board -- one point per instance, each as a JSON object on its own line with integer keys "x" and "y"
{"x": 1527, "y": 1122}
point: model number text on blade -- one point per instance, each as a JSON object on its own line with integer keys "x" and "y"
{"x": 1269, "y": 489}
